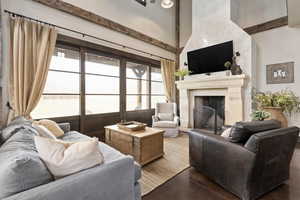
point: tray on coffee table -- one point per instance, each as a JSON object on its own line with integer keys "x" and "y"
{"x": 132, "y": 126}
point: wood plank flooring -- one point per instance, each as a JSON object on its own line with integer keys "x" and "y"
{"x": 174, "y": 161}
{"x": 191, "y": 185}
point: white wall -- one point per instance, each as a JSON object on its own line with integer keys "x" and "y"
{"x": 212, "y": 24}
{"x": 273, "y": 46}
{"x": 278, "y": 46}
{"x": 185, "y": 21}
{"x": 152, "y": 20}
{"x": 255, "y": 12}
{"x": 1, "y": 50}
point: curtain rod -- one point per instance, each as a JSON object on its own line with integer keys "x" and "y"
{"x": 85, "y": 35}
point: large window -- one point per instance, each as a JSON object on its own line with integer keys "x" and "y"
{"x": 157, "y": 87}
{"x": 86, "y": 82}
{"x": 102, "y": 84}
{"x": 62, "y": 91}
{"x": 137, "y": 86}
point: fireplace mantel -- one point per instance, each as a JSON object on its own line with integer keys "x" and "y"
{"x": 232, "y": 87}
{"x": 212, "y": 82}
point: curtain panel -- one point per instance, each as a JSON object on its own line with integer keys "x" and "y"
{"x": 168, "y": 74}
{"x": 32, "y": 47}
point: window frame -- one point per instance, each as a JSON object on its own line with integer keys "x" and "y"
{"x": 148, "y": 79}
{"x": 72, "y": 48}
{"x": 155, "y": 95}
{"x": 99, "y": 53}
{"x": 83, "y": 50}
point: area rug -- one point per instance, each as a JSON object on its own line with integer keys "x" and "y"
{"x": 175, "y": 160}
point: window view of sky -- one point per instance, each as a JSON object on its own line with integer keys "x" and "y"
{"x": 102, "y": 82}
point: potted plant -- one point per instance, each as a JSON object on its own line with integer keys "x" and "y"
{"x": 181, "y": 73}
{"x": 260, "y": 115}
{"x": 278, "y": 103}
{"x": 227, "y": 65}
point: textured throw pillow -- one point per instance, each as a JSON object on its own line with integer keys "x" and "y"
{"x": 242, "y": 131}
{"x": 43, "y": 131}
{"x": 166, "y": 116}
{"x": 226, "y": 133}
{"x": 63, "y": 159}
{"x": 13, "y": 127}
{"x": 20, "y": 165}
{"x": 51, "y": 126}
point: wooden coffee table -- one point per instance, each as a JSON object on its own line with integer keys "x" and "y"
{"x": 145, "y": 146}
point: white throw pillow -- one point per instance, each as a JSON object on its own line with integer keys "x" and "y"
{"x": 166, "y": 116}
{"x": 63, "y": 158}
{"x": 43, "y": 131}
{"x": 51, "y": 126}
{"x": 226, "y": 133}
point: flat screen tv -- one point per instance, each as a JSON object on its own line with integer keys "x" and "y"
{"x": 210, "y": 59}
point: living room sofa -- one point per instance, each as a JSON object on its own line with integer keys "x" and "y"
{"x": 250, "y": 168}
{"x": 23, "y": 176}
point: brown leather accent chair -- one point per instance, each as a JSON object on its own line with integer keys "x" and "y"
{"x": 248, "y": 169}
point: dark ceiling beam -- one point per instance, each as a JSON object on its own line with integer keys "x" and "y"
{"x": 276, "y": 23}
{"x": 109, "y": 24}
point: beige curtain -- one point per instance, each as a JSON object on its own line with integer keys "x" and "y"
{"x": 168, "y": 74}
{"x": 32, "y": 46}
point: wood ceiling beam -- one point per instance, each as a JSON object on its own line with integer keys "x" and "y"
{"x": 107, "y": 23}
{"x": 276, "y": 23}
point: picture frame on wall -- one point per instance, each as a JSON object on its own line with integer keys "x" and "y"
{"x": 280, "y": 73}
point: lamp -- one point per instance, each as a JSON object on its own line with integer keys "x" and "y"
{"x": 167, "y": 3}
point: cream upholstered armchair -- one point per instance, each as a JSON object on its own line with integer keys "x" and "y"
{"x": 166, "y": 118}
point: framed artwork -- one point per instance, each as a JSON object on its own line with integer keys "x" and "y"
{"x": 280, "y": 73}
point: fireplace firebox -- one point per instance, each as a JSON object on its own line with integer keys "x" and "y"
{"x": 209, "y": 113}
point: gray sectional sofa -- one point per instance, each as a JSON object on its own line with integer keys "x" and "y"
{"x": 23, "y": 176}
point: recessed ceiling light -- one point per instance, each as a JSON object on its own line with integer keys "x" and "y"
{"x": 167, "y": 3}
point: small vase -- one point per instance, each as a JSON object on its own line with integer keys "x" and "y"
{"x": 235, "y": 68}
{"x": 228, "y": 72}
{"x": 277, "y": 114}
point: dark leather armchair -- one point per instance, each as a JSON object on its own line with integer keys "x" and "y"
{"x": 250, "y": 169}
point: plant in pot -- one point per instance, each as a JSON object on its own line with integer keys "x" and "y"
{"x": 278, "y": 103}
{"x": 227, "y": 65}
{"x": 260, "y": 115}
{"x": 181, "y": 73}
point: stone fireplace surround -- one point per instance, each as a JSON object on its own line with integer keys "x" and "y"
{"x": 231, "y": 87}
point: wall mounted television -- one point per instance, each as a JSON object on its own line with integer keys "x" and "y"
{"x": 210, "y": 59}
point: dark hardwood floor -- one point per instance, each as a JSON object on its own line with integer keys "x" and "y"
{"x": 190, "y": 185}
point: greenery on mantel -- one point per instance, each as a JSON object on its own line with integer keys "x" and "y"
{"x": 227, "y": 65}
{"x": 181, "y": 73}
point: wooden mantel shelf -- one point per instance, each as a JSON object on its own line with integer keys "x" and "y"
{"x": 212, "y": 82}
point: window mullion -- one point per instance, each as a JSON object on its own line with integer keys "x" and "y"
{"x": 82, "y": 90}
{"x": 150, "y": 85}
{"x": 123, "y": 89}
